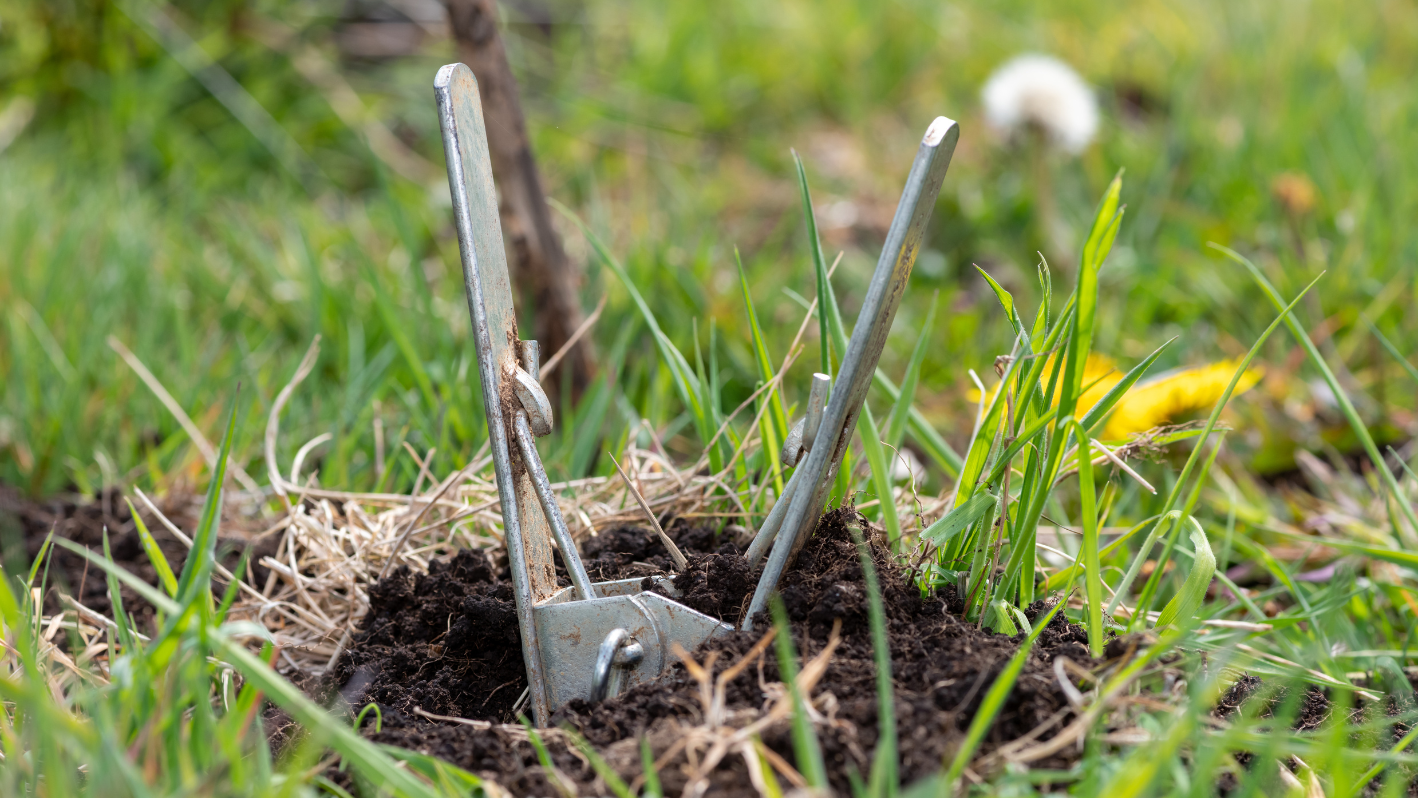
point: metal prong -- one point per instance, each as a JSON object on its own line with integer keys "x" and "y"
{"x": 769, "y": 530}
{"x": 529, "y": 354}
{"x": 839, "y": 420}
{"x": 816, "y": 403}
{"x": 533, "y": 461}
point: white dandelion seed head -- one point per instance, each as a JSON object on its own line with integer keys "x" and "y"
{"x": 1043, "y": 91}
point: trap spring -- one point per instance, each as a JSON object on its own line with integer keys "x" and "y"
{"x": 590, "y": 640}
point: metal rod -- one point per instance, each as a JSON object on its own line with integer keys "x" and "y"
{"x": 530, "y": 355}
{"x": 816, "y": 403}
{"x": 528, "y": 446}
{"x": 769, "y": 530}
{"x": 888, "y": 284}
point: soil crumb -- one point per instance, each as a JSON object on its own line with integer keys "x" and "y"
{"x": 719, "y": 585}
{"x": 941, "y": 666}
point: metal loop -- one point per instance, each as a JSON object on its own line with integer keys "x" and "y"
{"x": 617, "y": 652}
{"x": 534, "y": 401}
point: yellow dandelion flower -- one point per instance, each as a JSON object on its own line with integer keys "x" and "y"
{"x": 1162, "y": 399}
{"x": 1156, "y": 401}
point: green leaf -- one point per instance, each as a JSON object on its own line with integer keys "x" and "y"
{"x": 154, "y": 552}
{"x": 1188, "y": 600}
{"x": 1175, "y": 494}
{"x": 196, "y": 576}
{"x": 885, "y": 762}
{"x": 959, "y": 519}
{"x": 761, "y": 357}
{"x": 1080, "y": 343}
{"x": 362, "y": 754}
{"x": 685, "y": 381}
{"x": 880, "y": 475}
{"x": 115, "y": 598}
{"x": 598, "y": 763}
{"x": 1097, "y": 412}
{"x": 39, "y": 558}
{"x": 982, "y": 441}
{"x": 1006, "y": 301}
{"x": 774, "y": 428}
{"x": 819, "y": 268}
{"x": 941, "y": 452}
{"x": 647, "y": 767}
{"x": 1393, "y": 351}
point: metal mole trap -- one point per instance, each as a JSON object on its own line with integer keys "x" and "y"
{"x": 592, "y": 640}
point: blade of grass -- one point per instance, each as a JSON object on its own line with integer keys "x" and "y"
{"x": 959, "y": 519}
{"x": 1393, "y": 350}
{"x": 1099, "y": 411}
{"x": 880, "y": 476}
{"x": 1092, "y": 571}
{"x": 1175, "y": 494}
{"x": 685, "y": 382}
{"x": 197, "y": 570}
{"x": 360, "y": 752}
{"x": 598, "y": 763}
{"x": 806, "y": 748}
{"x": 819, "y": 268}
{"x": 154, "y": 552}
{"x": 885, "y": 762}
{"x": 936, "y": 447}
{"x": 1341, "y": 398}
{"x": 993, "y": 701}
{"x": 647, "y": 767}
{"x": 1188, "y": 600}
{"x": 774, "y": 428}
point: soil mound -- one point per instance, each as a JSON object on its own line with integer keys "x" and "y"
{"x": 445, "y": 642}
{"x": 941, "y": 666}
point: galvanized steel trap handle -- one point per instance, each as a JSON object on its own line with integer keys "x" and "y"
{"x": 805, "y": 498}
{"x": 513, "y": 400}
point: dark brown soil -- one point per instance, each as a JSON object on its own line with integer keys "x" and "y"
{"x": 24, "y": 525}
{"x": 446, "y": 643}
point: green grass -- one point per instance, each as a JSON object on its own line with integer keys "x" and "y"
{"x": 147, "y": 203}
{"x": 164, "y": 716}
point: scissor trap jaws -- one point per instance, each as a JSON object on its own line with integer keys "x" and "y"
{"x": 591, "y": 640}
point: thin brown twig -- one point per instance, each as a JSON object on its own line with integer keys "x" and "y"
{"x": 555, "y": 360}
{"x": 209, "y": 453}
{"x": 675, "y": 553}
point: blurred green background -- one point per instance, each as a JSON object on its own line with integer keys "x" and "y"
{"x": 214, "y": 183}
